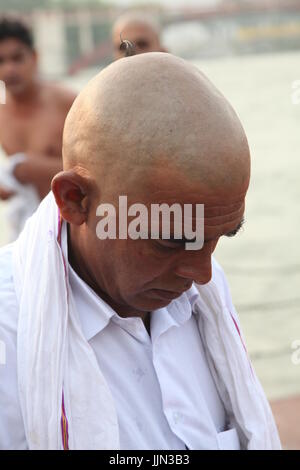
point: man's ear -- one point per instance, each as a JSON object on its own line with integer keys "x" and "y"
{"x": 70, "y": 191}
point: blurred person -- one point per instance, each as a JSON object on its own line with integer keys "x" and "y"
{"x": 141, "y": 30}
{"x": 109, "y": 344}
{"x": 31, "y": 124}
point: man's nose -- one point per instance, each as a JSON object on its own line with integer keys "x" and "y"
{"x": 196, "y": 265}
{"x": 199, "y": 275}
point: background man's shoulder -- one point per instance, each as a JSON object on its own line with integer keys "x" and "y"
{"x": 62, "y": 95}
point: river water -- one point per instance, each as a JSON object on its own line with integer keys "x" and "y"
{"x": 263, "y": 262}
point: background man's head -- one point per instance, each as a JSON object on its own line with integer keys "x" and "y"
{"x": 142, "y": 31}
{"x": 151, "y": 127}
{"x": 18, "y": 60}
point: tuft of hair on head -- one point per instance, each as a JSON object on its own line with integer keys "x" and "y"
{"x": 127, "y": 47}
{"x": 16, "y": 29}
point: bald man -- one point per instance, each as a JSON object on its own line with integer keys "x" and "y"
{"x": 141, "y": 30}
{"x": 117, "y": 349}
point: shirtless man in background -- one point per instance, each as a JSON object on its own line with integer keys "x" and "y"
{"x": 32, "y": 120}
{"x": 141, "y": 30}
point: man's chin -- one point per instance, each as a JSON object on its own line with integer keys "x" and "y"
{"x": 155, "y": 299}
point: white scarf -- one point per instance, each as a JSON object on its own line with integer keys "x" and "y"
{"x": 64, "y": 397}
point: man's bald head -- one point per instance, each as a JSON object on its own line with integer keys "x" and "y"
{"x": 153, "y": 128}
{"x": 156, "y": 110}
{"x": 140, "y": 29}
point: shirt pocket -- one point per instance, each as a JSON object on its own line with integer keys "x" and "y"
{"x": 228, "y": 440}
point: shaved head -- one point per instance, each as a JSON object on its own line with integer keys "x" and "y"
{"x": 153, "y": 128}
{"x": 156, "y": 110}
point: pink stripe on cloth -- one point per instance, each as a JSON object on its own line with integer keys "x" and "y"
{"x": 64, "y": 426}
{"x": 238, "y": 330}
{"x": 64, "y": 419}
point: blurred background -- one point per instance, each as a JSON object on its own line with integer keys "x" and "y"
{"x": 250, "y": 49}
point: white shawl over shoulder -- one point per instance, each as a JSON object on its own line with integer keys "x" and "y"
{"x": 54, "y": 358}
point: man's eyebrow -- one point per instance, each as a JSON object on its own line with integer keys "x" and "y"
{"x": 232, "y": 233}
{"x": 183, "y": 240}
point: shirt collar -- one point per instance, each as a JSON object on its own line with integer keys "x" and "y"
{"x": 94, "y": 313}
{"x": 177, "y": 313}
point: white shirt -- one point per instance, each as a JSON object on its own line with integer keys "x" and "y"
{"x": 163, "y": 390}
{"x": 162, "y": 386}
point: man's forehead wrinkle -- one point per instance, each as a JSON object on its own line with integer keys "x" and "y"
{"x": 222, "y": 220}
{"x": 218, "y": 211}
{"x": 162, "y": 188}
